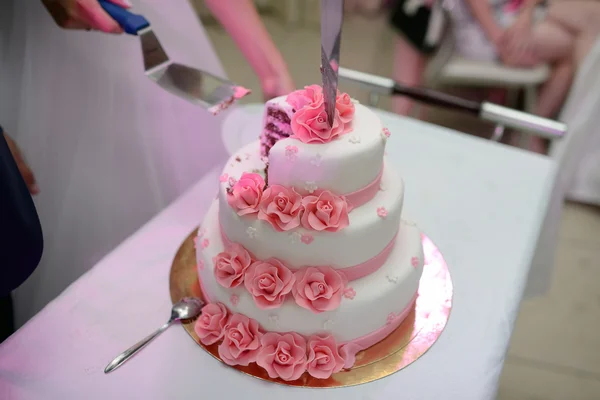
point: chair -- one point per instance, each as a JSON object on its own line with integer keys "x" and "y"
{"x": 448, "y": 68}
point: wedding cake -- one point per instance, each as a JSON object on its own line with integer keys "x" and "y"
{"x": 303, "y": 258}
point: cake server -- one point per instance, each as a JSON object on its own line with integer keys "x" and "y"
{"x": 185, "y": 309}
{"x": 332, "y": 15}
{"x": 500, "y": 115}
{"x": 194, "y": 85}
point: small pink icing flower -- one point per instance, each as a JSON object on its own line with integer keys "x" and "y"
{"x": 307, "y": 238}
{"x": 386, "y": 132}
{"x": 231, "y": 265}
{"x": 210, "y": 326}
{"x": 232, "y": 181}
{"x": 224, "y": 178}
{"x": 319, "y": 288}
{"x": 234, "y": 299}
{"x": 201, "y": 265}
{"x": 349, "y": 293}
{"x": 324, "y": 358}
{"x": 245, "y": 195}
{"x": 281, "y": 207}
{"x": 325, "y": 212}
{"x": 290, "y": 152}
{"x": 241, "y": 341}
{"x": 414, "y": 262}
{"x": 301, "y": 98}
{"x": 196, "y": 242}
{"x": 269, "y": 282}
{"x": 382, "y": 212}
{"x": 283, "y": 355}
{"x": 204, "y": 244}
{"x": 345, "y": 107}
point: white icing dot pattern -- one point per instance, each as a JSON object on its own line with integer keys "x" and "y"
{"x": 310, "y": 186}
{"x": 295, "y": 237}
{"x": 251, "y": 232}
{"x": 354, "y": 139}
{"x": 327, "y": 325}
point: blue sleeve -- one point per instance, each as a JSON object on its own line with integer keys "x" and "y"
{"x": 21, "y": 241}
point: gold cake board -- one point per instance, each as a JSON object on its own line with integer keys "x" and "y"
{"x": 415, "y": 335}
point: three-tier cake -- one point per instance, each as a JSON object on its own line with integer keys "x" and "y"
{"x": 303, "y": 257}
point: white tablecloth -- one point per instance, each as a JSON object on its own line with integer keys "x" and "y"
{"x": 481, "y": 203}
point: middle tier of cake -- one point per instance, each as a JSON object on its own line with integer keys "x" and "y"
{"x": 369, "y": 304}
{"x": 361, "y": 246}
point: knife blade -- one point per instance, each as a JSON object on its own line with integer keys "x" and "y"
{"x": 332, "y": 13}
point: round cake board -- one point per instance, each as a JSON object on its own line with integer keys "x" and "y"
{"x": 413, "y": 338}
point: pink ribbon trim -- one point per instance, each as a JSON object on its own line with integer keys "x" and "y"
{"x": 362, "y": 196}
{"x": 354, "y": 272}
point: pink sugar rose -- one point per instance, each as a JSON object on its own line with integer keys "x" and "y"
{"x": 241, "y": 341}
{"x": 325, "y": 212}
{"x": 303, "y": 97}
{"x": 244, "y": 196}
{"x": 319, "y": 288}
{"x": 283, "y": 355}
{"x": 345, "y": 107}
{"x": 269, "y": 282}
{"x": 281, "y": 207}
{"x": 231, "y": 265}
{"x": 309, "y": 124}
{"x": 210, "y": 326}
{"x": 324, "y": 358}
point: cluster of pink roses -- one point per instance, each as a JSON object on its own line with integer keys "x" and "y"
{"x": 285, "y": 209}
{"x": 282, "y": 355}
{"x": 309, "y": 122}
{"x": 317, "y": 289}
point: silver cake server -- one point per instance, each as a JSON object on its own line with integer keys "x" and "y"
{"x": 332, "y": 15}
{"x": 194, "y": 85}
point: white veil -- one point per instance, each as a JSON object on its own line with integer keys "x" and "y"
{"x": 109, "y": 148}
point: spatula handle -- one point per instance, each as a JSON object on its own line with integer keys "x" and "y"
{"x": 130, "y": 22}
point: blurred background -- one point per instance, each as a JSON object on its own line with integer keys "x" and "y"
{"x": 555, "y": 349}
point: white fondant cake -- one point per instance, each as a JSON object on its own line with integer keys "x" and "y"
{"x": 303, "y": 255}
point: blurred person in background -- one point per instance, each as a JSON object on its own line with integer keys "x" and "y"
{"x": 110, "y": 148}
{"x": 418, "y": 24}
{"x": 526, "y": 33}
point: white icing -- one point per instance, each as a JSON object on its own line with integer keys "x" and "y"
{"x": 375, "y": 296}
{"x": 344, "y": 167}
{"x": 280, "y": 103}
{"x": 365, "y": 237}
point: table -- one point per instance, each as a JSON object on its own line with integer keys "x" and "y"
{"x": 482, "y": 204}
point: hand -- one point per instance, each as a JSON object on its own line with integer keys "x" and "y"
{"x": 516, "y": 46}
{"x": 24, "y": 169}
{"x": 84, "y": 14}
{"x": 277, "y": 85}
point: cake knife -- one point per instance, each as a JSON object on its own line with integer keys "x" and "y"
{"x": 332, "y": 14}
{"x": 501, "y": 115}
{"x": 194, "y": 85}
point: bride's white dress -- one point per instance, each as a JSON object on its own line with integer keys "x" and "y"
{"x": 109, "y": 148}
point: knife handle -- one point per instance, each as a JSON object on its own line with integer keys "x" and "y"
{"x": 130, "y": 22}
{"x": 437, "y": 98}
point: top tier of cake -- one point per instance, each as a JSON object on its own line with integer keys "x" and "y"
{"x": 348, "y": 164}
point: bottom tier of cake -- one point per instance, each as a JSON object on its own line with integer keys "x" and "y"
{"x": 370, "y": 309}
